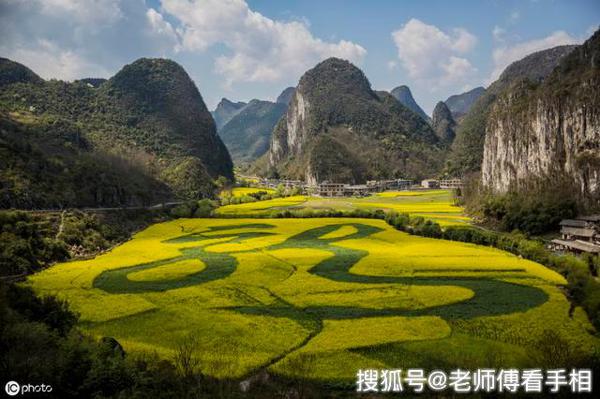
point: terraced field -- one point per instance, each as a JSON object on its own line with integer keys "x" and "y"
{"x": 317, "y": 297}
{"x": 437, "y": 205}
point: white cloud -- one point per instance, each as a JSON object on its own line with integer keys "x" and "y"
{"x": 458, "y": 69}
{"x": 507, "y": 54}
{"x": 72, "y": 39}
{"x": 161, "y": 27}
{"x": 498, "y": 33}
{"x": 392, "y": 64}
{"x": 261, "y": 49}
{"x": 90, "y": 11}
{"x": 431, "y": 55}
{"x": 50, "y": 61}
{"x": 463, "y": 41}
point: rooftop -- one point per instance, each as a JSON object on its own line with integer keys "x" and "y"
{"x": 574, "y": 223}
{"x": 579, "y": 245}
{"x": 576, "y": 231}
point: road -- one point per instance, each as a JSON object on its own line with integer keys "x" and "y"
{"x": 107, "y": 209}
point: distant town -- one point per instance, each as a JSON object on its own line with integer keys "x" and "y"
{"x": 333, "y": 189}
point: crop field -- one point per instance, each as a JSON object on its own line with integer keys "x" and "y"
{"x": 437, "y": 205}
{"x": 242, "y": 191}
{"x": 318, "y": 298}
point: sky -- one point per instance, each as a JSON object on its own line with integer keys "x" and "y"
{"x": 245, "y": 49}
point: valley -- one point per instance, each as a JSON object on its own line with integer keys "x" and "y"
{"x": 239, "y": 204}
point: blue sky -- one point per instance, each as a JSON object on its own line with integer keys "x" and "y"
{"x": 254, "y": 49}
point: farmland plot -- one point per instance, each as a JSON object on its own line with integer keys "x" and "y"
{"x": 317, "y": 297}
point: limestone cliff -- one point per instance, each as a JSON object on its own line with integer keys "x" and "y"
{"x": 467, "y": 148}
{"x": 549, "y": 131}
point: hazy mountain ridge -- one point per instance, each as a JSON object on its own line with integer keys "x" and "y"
{"x": 286, "y": 96}
{"x": 460, "y": 104}
{"x": 226, "y": 110}
{"x": 247, "y": 134}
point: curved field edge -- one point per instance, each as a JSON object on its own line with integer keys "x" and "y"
{"x": 272, "y": 309}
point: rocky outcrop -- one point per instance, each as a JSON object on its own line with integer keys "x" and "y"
{"x": 442, "y": 123}
{"x": 336, "y": 128}
{"x": 405, "y": 97}
{"x": 548, "y": 132}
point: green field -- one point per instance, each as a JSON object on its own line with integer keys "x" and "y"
{"x": 437, "y": 205}
{"x": 317, "y": 297}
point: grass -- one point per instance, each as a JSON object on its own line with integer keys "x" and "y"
{"x": 319, "y": 297}
{"x": 437, "y": 205}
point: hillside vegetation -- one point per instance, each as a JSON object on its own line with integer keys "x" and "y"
{"x": 337, "y": 128}
{"x": 141, "y": 137}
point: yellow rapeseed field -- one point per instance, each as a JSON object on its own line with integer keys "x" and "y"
{"x": 335, "y": 294}
{"x": 437, "y": 205}
{"x": 242, "y": 191}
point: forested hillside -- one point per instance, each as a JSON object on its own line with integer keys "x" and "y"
{"x": 337, "y": 128}
{"x": 143, "y": 136}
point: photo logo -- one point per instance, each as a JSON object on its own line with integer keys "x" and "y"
{"x": 12, "y": 388}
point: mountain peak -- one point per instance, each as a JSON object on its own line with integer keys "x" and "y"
{"x": 405, "y": 97}
{"x": 286, "y": 96}
{"x": 13, "y": 72}
{"x": 536, "y": 66}
{"x": 340, "y": 75}
{"x": 337, "y": 128}
{"x": 460, "y": 104}
{"x": 162, "y": 97}
{"x": 226, "y": 109}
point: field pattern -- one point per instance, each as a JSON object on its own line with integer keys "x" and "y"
{"x": 316, "y": 297}
{"x": 437, "y": 205}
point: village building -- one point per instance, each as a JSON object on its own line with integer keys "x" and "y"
{"x": 579, "y": 235}
{"x": 451, "y": 183}
{"x": 394, "y": 184}
{"x": 288, "y": 184}
{"x": 359, "y": 190}
{"x": 328, "y": 189}
{"x": 430, "y": 183}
